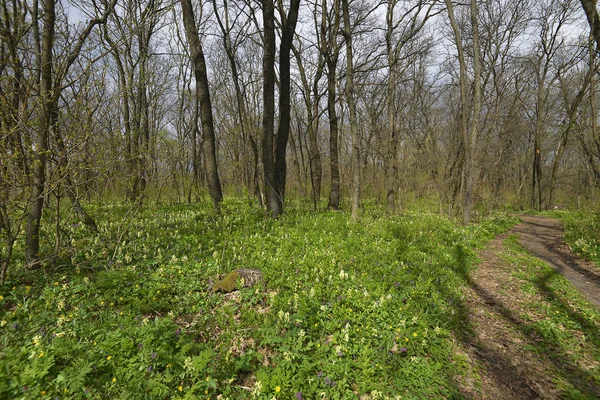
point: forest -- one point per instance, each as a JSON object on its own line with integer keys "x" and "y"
{"x": 362, "y": 155}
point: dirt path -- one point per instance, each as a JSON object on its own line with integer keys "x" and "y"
{"x": 544, "y": 238}
{"x": 514, "y": 359}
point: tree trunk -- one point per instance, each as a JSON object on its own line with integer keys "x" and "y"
{"x": 536, "y": 177}
{"x": 273, "y": 204}
{"x": 32, "y": 228}
{"x": 253, "y": 186}
{"x": 391, "y": 167}
{"x": 203, "y": 94}
{"x": 566, "y": 133}
{"x": 283, "y": 130}
{"x": 311, "y": 101}
{"x": 70, "y": 187}
{"x": 334, "y": 163}
{"x": 350, "y": 97}
{"x": 471, "y": 142}
{"x": 463, "y": 93}
{"x": 589, "y": 6}
{"x": 331, "y": 56}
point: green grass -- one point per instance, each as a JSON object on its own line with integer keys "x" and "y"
{"x": 561, "y": 325}
{"x": 582, "y": 233}
{"x": 350, "y": 308}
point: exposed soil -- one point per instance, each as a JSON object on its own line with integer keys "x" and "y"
{"x": 498, "y": 338}
{"x": 544, "y": 238}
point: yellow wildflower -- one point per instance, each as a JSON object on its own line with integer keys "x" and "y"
{"x": 108, "y": 358}
{"x": 180, "y": 388}
{"x": 277, "y": 389}
{"x": 114, "y": 380}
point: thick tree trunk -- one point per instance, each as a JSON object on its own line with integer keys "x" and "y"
{"x": 334, "y": 164}
{"x": 589, "y": 6}
{"x": 283, "y": 130}
{"x": 271, "y": 196}
{"x": 350, "y": 97}
{"x": 203, "y": 94}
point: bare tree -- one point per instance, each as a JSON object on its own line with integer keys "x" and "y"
{"x": 52, "y": 73}
{"x": 203, "y": 95}
{"x": 274, "y": 164}
{"x": 350, "y": 98}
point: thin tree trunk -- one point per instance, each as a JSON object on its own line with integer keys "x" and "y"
{"x": 536, "y": 180}
{"x": 391, "y": 167}
{"x": 253, "y": 186}
{"x": 312, "y": 110}
{"x": 203, "y": 94}
{"x": 32, "y": 228}
{"x": 331, "y": 56}
{"x": 70, "y": 187}
{"x": 471, "y": 142}
{"x": 560, "y": 149}
{"x": 352, "y": 111}
{"x": 463, "y": 89}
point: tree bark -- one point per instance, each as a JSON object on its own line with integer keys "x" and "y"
{"x": 350, "y": 98}
{"x": 334, "y": 163}
{"x": 271, "y": 196}
{"x": 203, "y": 94}
{"x": 591, "y": 12}
{"x": 283, "y": 130}
{"x": 391, "y": 168}
{"x": 471, "y": 142}
{"x": 32, "y": 228}
{"x": 331, "y": 57}
{"x": 463, "y": 88}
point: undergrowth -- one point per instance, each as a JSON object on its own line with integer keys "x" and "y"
{"x": 582, "y": 233}
{"x": 348, "y": 308}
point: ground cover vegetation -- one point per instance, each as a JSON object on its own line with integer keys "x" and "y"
{"x": 582, "y": 232}
{"x": 125, "y": 124}
{"x": 348, "y": 308}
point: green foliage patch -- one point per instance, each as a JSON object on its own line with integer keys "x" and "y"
{"x": 349, "y": 309}
{"x": 582, "y": 233}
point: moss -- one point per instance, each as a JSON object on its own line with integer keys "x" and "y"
{"x": 227, "y": 285}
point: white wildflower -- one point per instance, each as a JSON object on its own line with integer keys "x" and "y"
{"x": 188, "y": 364}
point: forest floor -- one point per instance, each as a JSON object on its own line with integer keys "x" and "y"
{"x": 508, "y": 302}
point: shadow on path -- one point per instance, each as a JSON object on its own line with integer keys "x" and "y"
{"x": 544, "y": 238}
{"x": 518, "y": 359}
